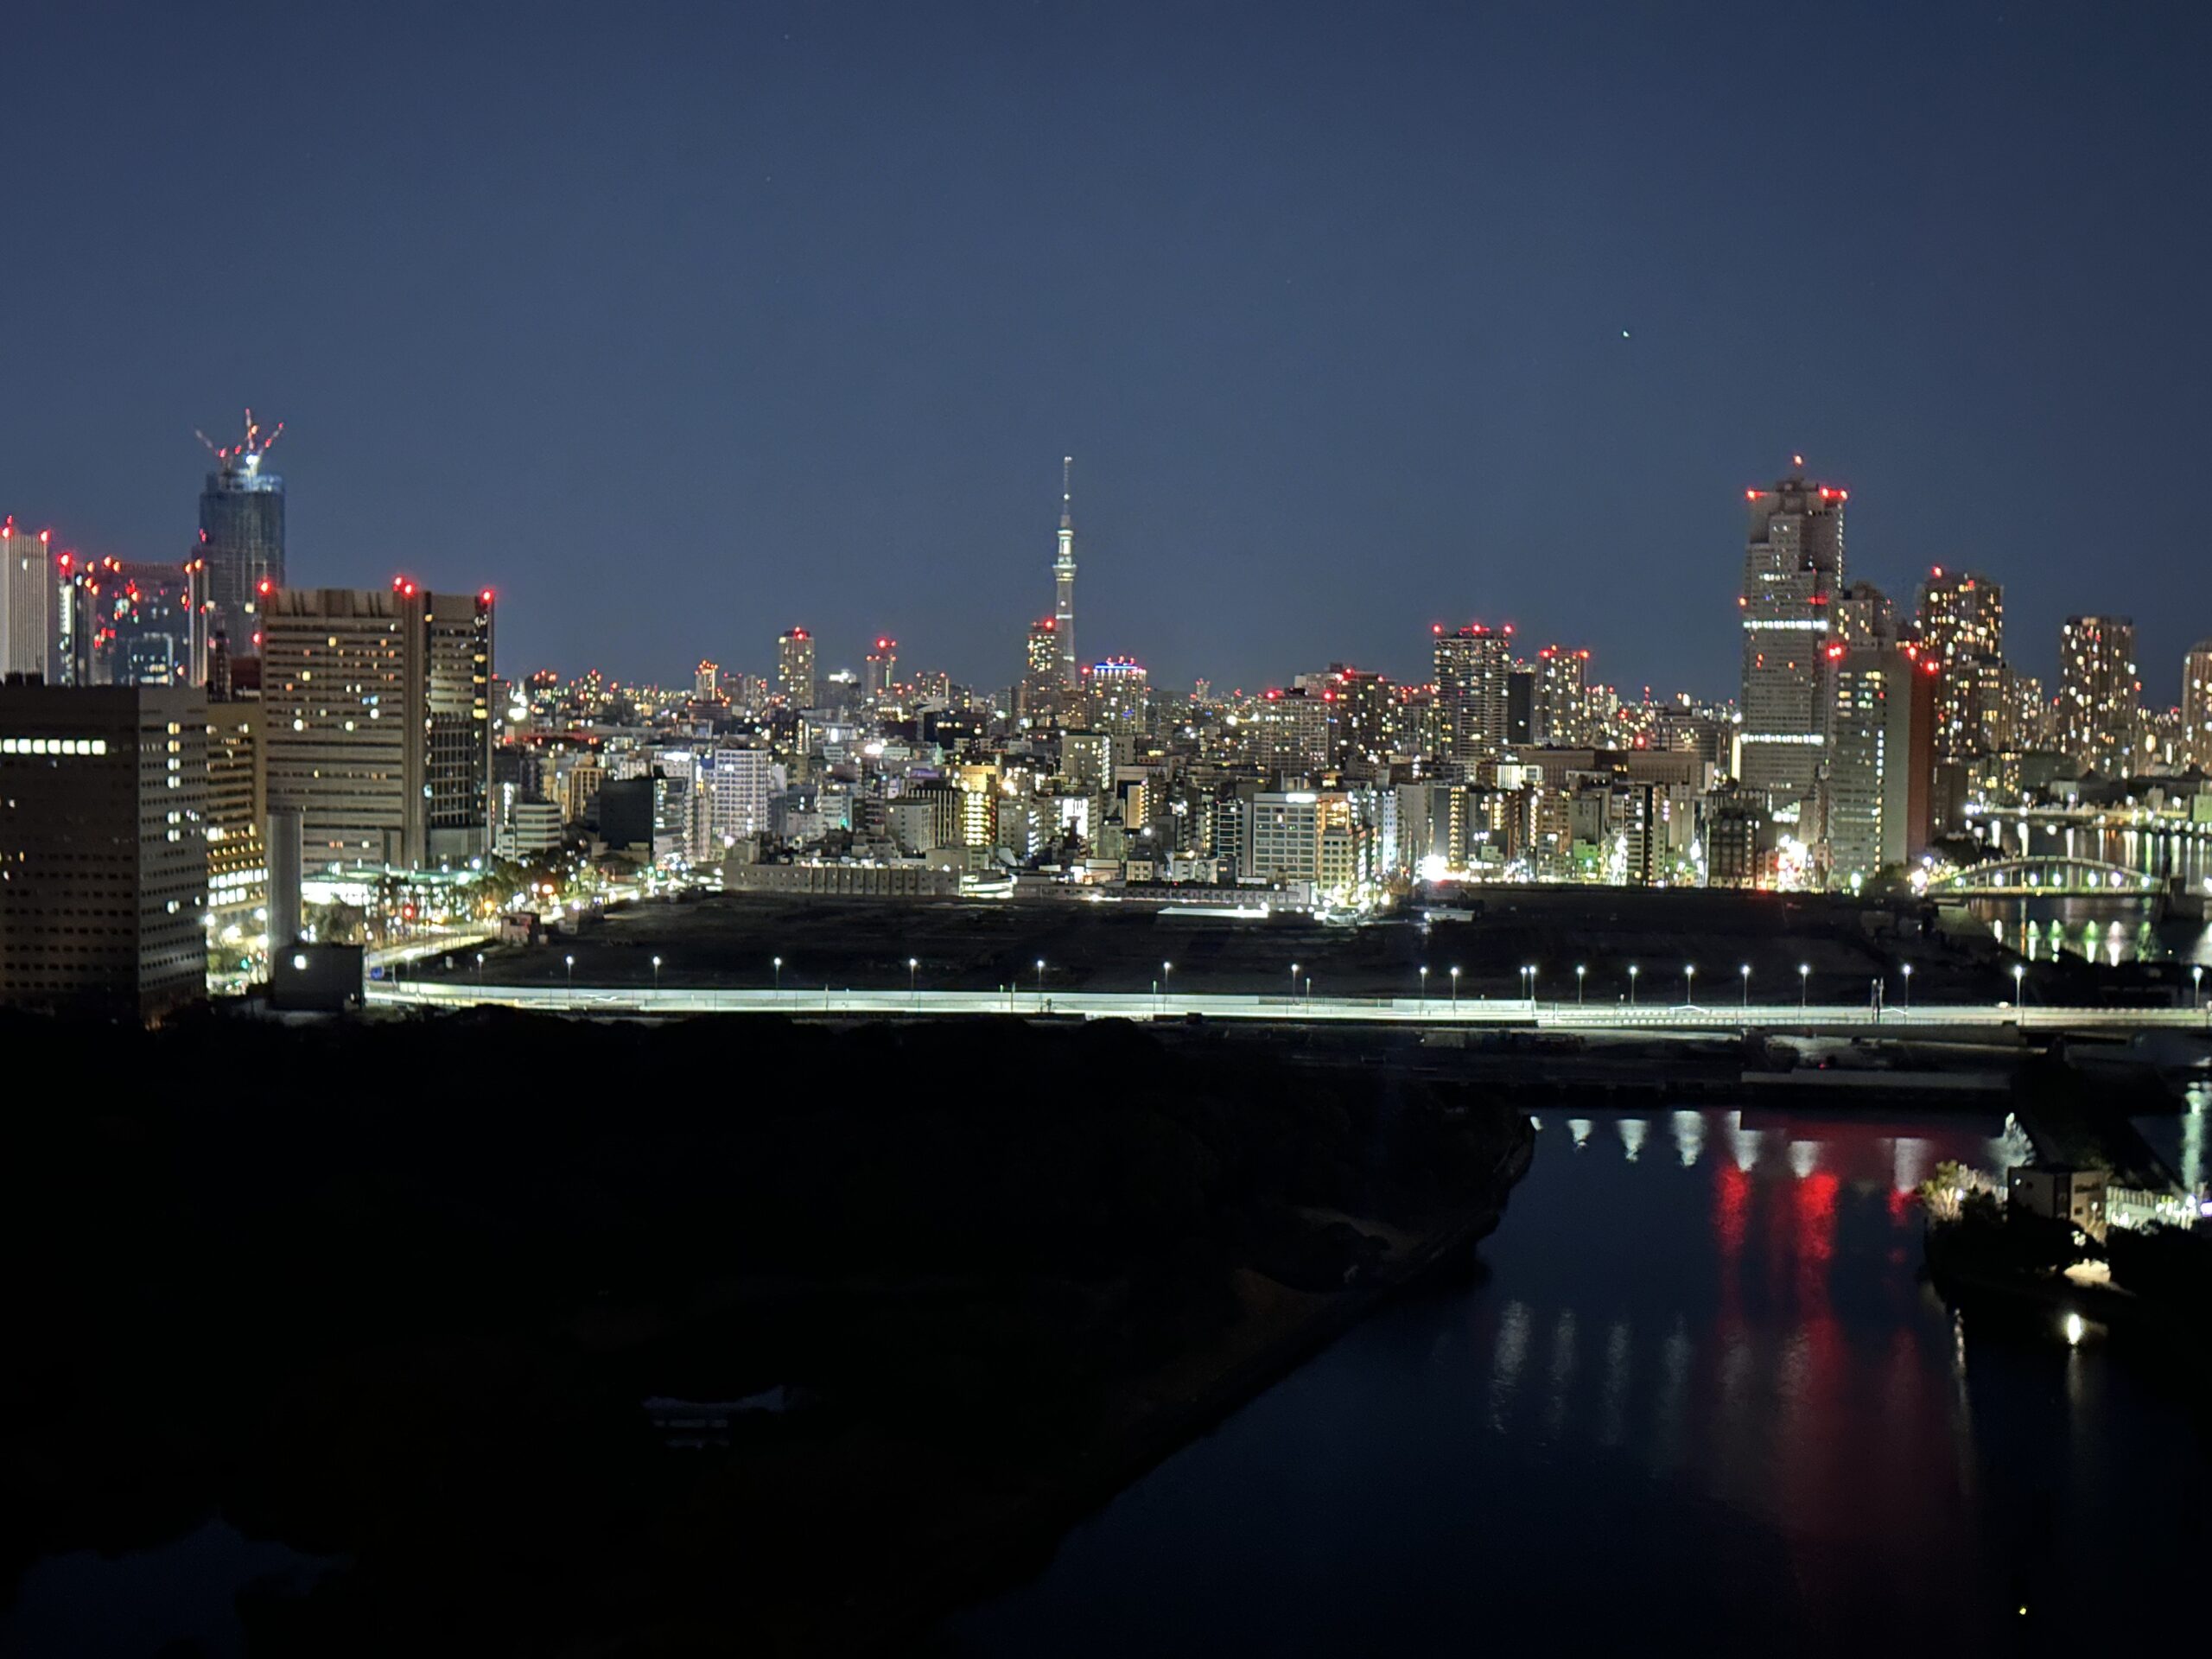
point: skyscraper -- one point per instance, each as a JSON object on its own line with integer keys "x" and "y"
{"x": 2099, "y": 694}
{"x": 1792, "y": 568}
{"x": 1962, "y": 625}
{"x": 1472, "y": 667}
{"x": 1041, "y": 691}
{"x": 1881, "y": 763}
{"x": 103, "y": 847}
{"x": 242, "y": 535}
{"x": 795, "y": 668}
{"x": 26, "y": 600}
{"x": 1064, "y": 576}
{"x": 376, "y": 720}
{"x": 2196, "y": 704}
{"x": 881, "y": 671}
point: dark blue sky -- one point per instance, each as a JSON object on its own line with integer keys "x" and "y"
{"x": 680, "y": 324}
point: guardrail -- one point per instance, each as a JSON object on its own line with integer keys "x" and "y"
{"x": 1139, "y": 1004}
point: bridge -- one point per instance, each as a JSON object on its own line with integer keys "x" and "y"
{"x": 1525, "y": 1013}
{"x": 2045, "y": 876}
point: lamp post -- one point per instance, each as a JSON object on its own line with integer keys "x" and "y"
{"x": 1580, "y": 970}
{"x": 1689, "y": 984}
{"x": 1804, "y": 983}
{"x": 1424, "y": 987}
{"x": 2020, "y": 990}
{"x": 779, "y": 975}
{"x": 2195, "y": 979}
{"x": 480, "y": 971}
{"x": 1633, "y": 971}
{"x": 1293, "y": 984}
{"x": 913, "y": 964}
{"x": 1040, "y": 984}
{"x": 1746, "y": 971}
{"x": 1455, "y": 990}
{"x": 570, "y": 962}
{"x": 1166, "y": 969}
{"x": 1908, "y": 990}
{"x": 656, "y": 976}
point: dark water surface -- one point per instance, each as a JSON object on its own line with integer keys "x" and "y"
{"x": 1701, "y": 1402}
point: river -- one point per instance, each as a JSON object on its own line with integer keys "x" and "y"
{"x": 2106, "y": 929}
{"x": 1700, "y": 1402}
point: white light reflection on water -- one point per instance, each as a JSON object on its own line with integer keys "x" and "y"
{"x": 1613, "y": 1425}
{"x": 1909, "y": 1162}
{"x": 1632, "y": 1130}
{"x": 1580, "y": 1129}
{"x": 1743, "y": 1143}
{"x": 1689, "y": 1136}
{"x": 1804, "y": 1158}
{"x": 1562, "y": 1374}
{"x": 1508, "y": 1357}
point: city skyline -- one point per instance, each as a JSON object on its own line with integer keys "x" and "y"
{"x": 1533, "y": 404}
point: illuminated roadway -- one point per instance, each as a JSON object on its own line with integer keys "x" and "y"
{"x": 1279, "y": 1009}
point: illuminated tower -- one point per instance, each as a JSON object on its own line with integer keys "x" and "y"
{"x": 2196, "y": 704}
{"x": 1962, "y": 624}
{"x": 1793, "y": 568}
{"x": 26, "y": 600}
{"x": 242, "y": 536}
{"x": 1472, "y": 667}
{"x": 1063, "y": 576}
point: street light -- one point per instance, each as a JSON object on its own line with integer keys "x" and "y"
{"x": 1579, "y": 970}
{"x": 1804, "y": 982}
{"x": 2196, "y": 979}
{"x": 912, "y": 962}
{"x": 1455, "y": 990}
{"x": 1040, "y": 982}
{"x": 1746, "y": 971}
{"x": 1424, "y": 987}
{"x": 1633, "y": 971}
{"x": 571, "y": 962}
{"x": 656, "y": 974}
{"x": 1908, "y": 990}
{"x": 1293, "y": 984}
{"x": 480, "y": 971}
{"x": 2019, "y": 989}
{"x": 1689, "y": 984}
{"x": 1529, "y": 986}
{"x": 1166, "y": 969}
{"x": 780, "y": 974}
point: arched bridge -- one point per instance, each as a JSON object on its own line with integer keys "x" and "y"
{"x": 2052, "y": 876}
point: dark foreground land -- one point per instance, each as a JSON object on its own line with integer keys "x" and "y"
{"x": 397, "y": 1294}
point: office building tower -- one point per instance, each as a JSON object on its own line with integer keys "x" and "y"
{"x": 103, "y": 847}
{"x": 242, "y": 535}
{"x": 1793, "y": 570}
{"x": 1471, "y": 669}
{"x": 1064, "y": 576}
{"x": 1294, "y": 732}
{"x": 706, "y": 681}
{"x": 1961, "y": 622}
{"x": 2099, "y": 694}
{"x": 795, "y": 668}
{"x": 238, "y": 861}
{"x": 26, "y": 600}
{"x": 2196, "y": 704}
{"x": 153, "y": 624}
{"x": 1881, "y": 767}
{"x": 1120, "y": 695}
{"x": 377, "y": 722}
{"x": 1366, "y": 713}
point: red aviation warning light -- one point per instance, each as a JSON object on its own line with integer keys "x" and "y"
{"x": 484, "y": 598}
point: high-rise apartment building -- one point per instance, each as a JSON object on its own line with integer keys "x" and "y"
{"x": 376, "y": 721}
{"x": 1120, "y": 695}
{"x": 2196, "y": 704}
{"x": 736, "y": 782}
{"x": 1961, "y": 622}
{"x": 1793, "y": 570}
{"x": 881, "y": 671}
{"x": 1561, "y": 714}
{"x": 1042, "y": 688}
{"x": 1881, "y": 765}
{"x": 242, "y": 536}
{"x": 26, "y": 600}
{"x": 2099, "y": 694}
{"x": 103, "y": 847}
{"x": 1471, "y": 669}
{"x": 795, "y": 668}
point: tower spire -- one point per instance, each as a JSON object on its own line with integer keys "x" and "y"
{"x": 1063, "y": 577}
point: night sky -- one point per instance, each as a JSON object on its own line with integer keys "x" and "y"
{"x": 682, "y": 324}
